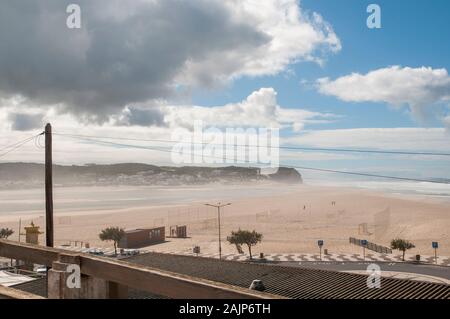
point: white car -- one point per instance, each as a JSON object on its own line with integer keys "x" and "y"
{"x": 41, "y": 270}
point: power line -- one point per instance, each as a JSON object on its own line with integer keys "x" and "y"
{"x": 12, "y": 145}
{"x": 17, "y": 145}
{"x": 256, "y": 163}
{"x": 299, "y": 148}
{"x": 37, "y": 142}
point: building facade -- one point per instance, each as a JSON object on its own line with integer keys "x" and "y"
{"x": 142, "y": 237}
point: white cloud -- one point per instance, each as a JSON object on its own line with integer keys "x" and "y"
{"x": 259, "y": 109}
{"x": 71, "y": 151}
{"x": 288, "y": 156}
{"x": 401, "y": 139}
{"x": 447, "y": 122}
{"x": 419, "y": 88}
{"x": 142, "y": 51}
{"x": 294, "y": 35}
{"x": 404, "y": 139}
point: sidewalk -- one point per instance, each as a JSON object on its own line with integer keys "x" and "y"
{"x": 442, "y": 260}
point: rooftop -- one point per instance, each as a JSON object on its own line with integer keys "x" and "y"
{"x": 10, "y": 279}
{"x": 36, "y": 287}
{"x": 136, "y": 230}
{"x": 292, "y": 282}
{"x": 189, "y": 277}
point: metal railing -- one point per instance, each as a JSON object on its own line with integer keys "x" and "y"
{"x": 371, "y": 246}
{"x": 151, "y": 280}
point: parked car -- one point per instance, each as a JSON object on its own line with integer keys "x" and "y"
{"x": 129, "y": 252}
{"x": 41, "y": 270}
{"x": 95, "y": 251}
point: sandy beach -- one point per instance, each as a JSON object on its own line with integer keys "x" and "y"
{"x": 291, "y": 218}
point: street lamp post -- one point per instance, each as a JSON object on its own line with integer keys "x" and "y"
{"x": 320, "y": 244}
{"x": 219, "y": 206}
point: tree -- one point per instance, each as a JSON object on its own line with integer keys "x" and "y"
{"x": 245, "y": 237}
{"x": 5, "y": 233}
{"x": 402, "y": 245}
{"x": 114, "y": 234}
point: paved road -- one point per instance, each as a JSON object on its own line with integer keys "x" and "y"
{"x": 429, "y": 270}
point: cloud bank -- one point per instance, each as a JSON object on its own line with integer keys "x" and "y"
{"x": 259, "y": 109}
{"x": 400, "y": 138}
{"x": 145, "y": 50}
{"x": 418, "y": 88}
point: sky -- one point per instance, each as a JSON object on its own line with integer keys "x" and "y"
{"x": 312, "y": 68}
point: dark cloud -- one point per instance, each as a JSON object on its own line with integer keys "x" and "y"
{"x": 148, "y": 117}
{"x": 124, "y": 53}
{"x": 25, "y": 122}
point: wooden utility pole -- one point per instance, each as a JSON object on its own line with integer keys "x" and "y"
{"x": 48, "y": 187}
{"x": 219, "y": 206}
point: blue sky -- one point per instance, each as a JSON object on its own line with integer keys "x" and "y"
{"x": 414, "y": 33}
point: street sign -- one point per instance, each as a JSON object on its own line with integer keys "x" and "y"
{"x": 435, "y": 246}
{"x": 364, "y": 243}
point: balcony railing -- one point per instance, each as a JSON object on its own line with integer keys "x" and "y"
{"x": 103, "y": 277}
